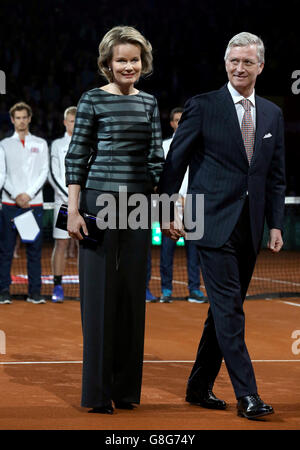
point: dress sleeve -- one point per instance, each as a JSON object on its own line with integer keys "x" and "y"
{"x": 156, "y": 154}
{"x": 82, "y": 144}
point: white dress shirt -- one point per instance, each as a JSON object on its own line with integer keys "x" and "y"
{"x": 240, "y": 110}
{"x": 237, "y": 97}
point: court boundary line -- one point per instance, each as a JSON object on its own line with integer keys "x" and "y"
{"x": 3, "y": 363}
{"x": 289, "y": 303}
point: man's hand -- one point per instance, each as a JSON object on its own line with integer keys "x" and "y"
{"x": 275, "y": 240}
{"x": 170, "y": 230}
{"x": 174, "y": 230}
{"x": 23, "y": 200}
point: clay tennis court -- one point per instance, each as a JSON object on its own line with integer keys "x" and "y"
{"x": 40, "y": 368}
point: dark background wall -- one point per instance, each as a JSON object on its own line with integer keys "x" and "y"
{"x": 49, "y": 49}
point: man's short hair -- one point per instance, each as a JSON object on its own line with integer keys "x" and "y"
{"x": 174, "y": 111}
{"x": 71, "y": 110}
{"x": 244, "y": 39}
{"x": 19, "y": 107}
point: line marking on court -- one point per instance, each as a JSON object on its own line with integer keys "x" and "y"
{"x": 39, "y": 362}
{"x": 272, "y": 280}
{"x": 151, "y": 362}
{"x": 184, "y": 283}
{"x": 282, "y": 301}
{"x": 290, "y": 303}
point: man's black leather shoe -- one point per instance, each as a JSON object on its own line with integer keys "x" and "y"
{"x": 206, "y": 399}
{"x": 251, "y": 406}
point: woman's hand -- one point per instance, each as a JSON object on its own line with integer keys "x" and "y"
{"x": 75, "y": 223}
{"x": 75, "y": 220}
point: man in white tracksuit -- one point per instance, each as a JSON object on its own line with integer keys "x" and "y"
{"x": 2, "y": 167}
{"x": 59, "y": 149}
{"x": 2, "y": 179}
{"x": 26, "y": 169}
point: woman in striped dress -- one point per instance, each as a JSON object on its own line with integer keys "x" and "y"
{"x": 116, "y": 146}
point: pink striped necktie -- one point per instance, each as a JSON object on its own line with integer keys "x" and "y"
{"x": 247, "y": 129}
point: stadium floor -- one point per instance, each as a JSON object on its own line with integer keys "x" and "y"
{"x": 40, "y": 369}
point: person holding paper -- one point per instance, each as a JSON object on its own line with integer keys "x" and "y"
{"x": 26, "y": 160}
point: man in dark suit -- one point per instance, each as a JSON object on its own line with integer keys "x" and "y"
{"x": 232, "y": 140}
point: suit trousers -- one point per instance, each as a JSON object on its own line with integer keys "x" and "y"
{"x": 227, "y": 272}
{"x": 112, "y": 294}
{"x": 168, "y": 248}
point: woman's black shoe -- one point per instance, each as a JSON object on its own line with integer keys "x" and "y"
{"x": 102, "y": 410}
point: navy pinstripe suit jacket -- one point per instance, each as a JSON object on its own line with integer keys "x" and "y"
{"x": 209, "y": 141}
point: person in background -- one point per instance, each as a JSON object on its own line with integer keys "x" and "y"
{"x": 150, "y": 298}
{"x": 57, "y": 175}
{"x": 168, "y": 246}
{"x": 116, "y": 146}
{"x": 26, "y": 160}
{"x": 2, "y": 167}
{"x": 2, "y": 179}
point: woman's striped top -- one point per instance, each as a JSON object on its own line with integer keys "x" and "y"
{"x": 116, "y": 142}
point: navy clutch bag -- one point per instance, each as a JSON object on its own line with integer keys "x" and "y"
{"x": 91, "y": 223}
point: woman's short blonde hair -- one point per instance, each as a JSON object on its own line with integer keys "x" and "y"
{"x": 123, "y": 35}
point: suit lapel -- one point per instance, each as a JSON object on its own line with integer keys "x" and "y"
{"x": 260, "y": 129}
{"x": 229, "y": 113}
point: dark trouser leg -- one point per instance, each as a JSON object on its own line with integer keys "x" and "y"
{"x": 1, "y": 239}
{"x": 209, "y": 358}
{"x": 167, "y": 250}
{"x": 227, "y": 272}
{"x": 112, "y": 290}
{"x": 149, "y": 268}
{"x": 130, "y": 315}
{"x": 34, "y": 253}
{"x": 98, "y": 292}
{"x": 8, "y": 242}
{"x": 193, "y": 265}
